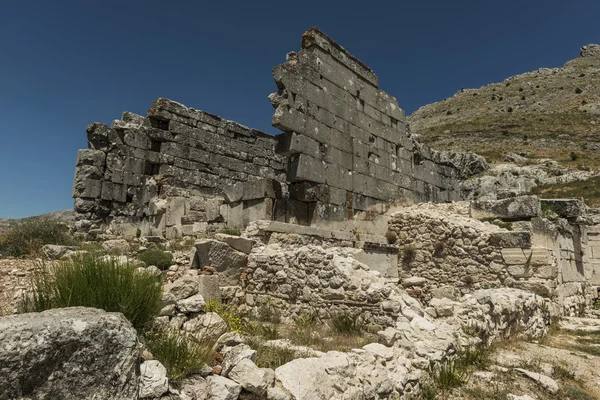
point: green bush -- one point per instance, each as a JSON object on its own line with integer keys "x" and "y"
{"x": 268, "y": 312}
{"x": 409, "y": 252}
{"x": 182, "y": 354}
{"x": 160, "y": 259}
{"x": 272, "y": 356}
{"x": 92, "y": 280}
{"x": 228, "y": 312}
{"x": 231, "y": 231}
{"x": 449, "y": 374}
{"x": 30, "y": 235}
{"x": 346, "y": 324}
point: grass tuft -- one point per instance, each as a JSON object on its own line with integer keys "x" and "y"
{"x": 159, "y": 258}
{"x": 228, "y": 312}
{"x": 181, "y": 354}
{"x": 271, "y": 356}
{"x": 347, "y": 324}
{"x": 93, "y": 280}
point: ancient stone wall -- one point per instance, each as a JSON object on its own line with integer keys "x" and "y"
{"x": 347, "y": 139}
{"x": 443, "y": 254}
{"x": 448, "y": 251}
{"x": 345, "y": 148}
{"x": 169, "y": 169}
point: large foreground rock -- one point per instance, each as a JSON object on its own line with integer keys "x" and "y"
{"x": 68, "y": 353}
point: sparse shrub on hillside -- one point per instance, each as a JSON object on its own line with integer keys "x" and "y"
{"x": 29, "y": 236}
{"x": 181, "y": 353}
{"x": 438, "y": 249}
{"x": 574, "y": 156}
{"x": 409, "y": 252}
{"x": 231, "y": 231}
{"x": 267, "y": 312}
{"x": 346, "y": 323}
{"x": 578, "y": 91}
{"x": 93, "y": 280}
{"x": 159, "y": 258}
{"x": 391, "y": 237}
{"x": 272, "y": 356}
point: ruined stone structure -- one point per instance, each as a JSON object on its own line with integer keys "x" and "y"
{"x": 345, "y": 149}
{"x": 549, "y": 247}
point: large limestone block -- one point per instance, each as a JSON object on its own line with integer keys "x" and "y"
{"x": 182, "y": 288}
{"x": 236, "y": 242}
{"x": 154, "y": 382}
{"x": 253, "y": 379}
{"x": 116, "y": 246}
{"x": 227, "y": 261}
{"x": 514, "y": 208}
{"x": 565, "y": 208}
{"x": 251, "y": 190}
{"x": 209, "y": 287}
{"x": 69, "y": 353}
{"x": 206, "y": 326}
{"x": 306, "y": 378}
{"x": 222, "y": 388}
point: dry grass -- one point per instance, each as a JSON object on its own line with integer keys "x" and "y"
{"x": 589, "y": 190}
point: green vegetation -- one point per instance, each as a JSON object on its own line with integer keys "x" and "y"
{"x": 347, "y": 324}
{"x": 409, "y": 252}
{"x": 498, "y": 222}
{"x": 267, "y": 312}
{"x": 343, "y": 333}
{"x": 272, "y": 356}
{"x": 228, "y": 312}
{"x": 562, "y": 372}
{"x": 182, "y": 354}
{"x": 159, "y": 258}
{"x": 29, "y": 236}
{"x": 93, "y": 280}
{"x": 391, "y": 237}
{"x": 453, "y": 373}
{"x": 231, "y": 231}
{"x": 589, "y": 190}
{"x": 574, "y": 393}
{"x": 495, "y": 393}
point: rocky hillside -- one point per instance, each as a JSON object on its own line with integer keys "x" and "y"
{"x": 551, "y": 112}
{"x": 65, "y": 216}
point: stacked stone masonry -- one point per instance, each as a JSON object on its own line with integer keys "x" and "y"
{"x": 454, "y": 249}
{"x": 345, "y": 148}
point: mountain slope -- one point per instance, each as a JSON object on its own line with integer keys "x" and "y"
{"x": 551, "y": 112}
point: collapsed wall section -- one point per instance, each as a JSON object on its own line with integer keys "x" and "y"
{"x": 170, "y": 168}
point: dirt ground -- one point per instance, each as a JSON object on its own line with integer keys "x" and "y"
{"x": 570, "y": 357}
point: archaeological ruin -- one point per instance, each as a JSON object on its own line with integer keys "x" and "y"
{"x": 345, "y": 148}
{"x": 337, "y": 173}
{"x": 258, "y": 241}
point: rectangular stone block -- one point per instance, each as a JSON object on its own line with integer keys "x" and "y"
{"x": 306, "y": 168}
{"x": 320, "y": 213}
{"x": 256, "y": 189}
{"x": 292, "y": 143}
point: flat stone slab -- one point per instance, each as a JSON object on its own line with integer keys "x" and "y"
{"x": 236, "y": 242}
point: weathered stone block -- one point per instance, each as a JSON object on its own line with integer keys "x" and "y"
{"x": 257, "y": 189}
{"x": 514, "y": 208}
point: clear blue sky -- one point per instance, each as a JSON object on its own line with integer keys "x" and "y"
{"x": 64, "y": 64}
